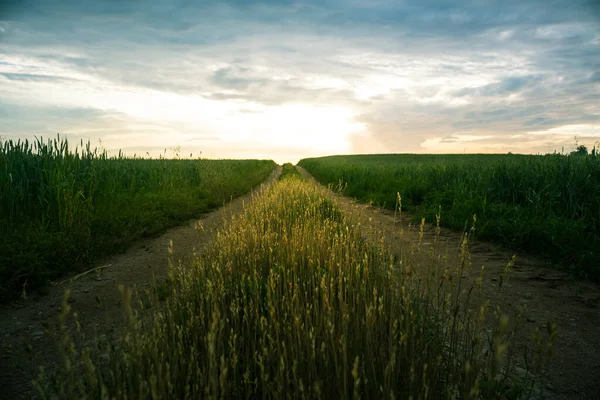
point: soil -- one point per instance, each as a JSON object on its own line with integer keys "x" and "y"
{"x": 548, "y": 294}
{"x": 28, "y": 337}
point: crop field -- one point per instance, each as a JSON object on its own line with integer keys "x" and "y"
{"x": 290, "y": 301}
{"x": 62, "y": 208}
{"x": 547, "y": 204}
{"x": 291, "y": 292}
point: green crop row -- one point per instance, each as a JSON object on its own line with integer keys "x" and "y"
{"x": 61, "y": 208}
{"x": 548, "y": 204}
{"x": 288, "y": 170}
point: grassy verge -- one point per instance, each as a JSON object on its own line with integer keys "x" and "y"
{"x": 289, "y": 301}
{"x": 549, "y": 204}
{"x": 62, "y": 209}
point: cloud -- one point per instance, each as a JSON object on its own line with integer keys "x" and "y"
{"x": 584, "y": 130}
{"x": 448, "y": 139}
{"x": 396, "y": 76}
{"x": 504, "y": 87}
{"x": 32, "y": 77}
{"x": 230, "y": 78}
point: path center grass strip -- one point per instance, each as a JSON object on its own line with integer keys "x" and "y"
{"x": 546, "y": 204}
{"x": 289, "y": 301}
{"x": 62, "y": 208}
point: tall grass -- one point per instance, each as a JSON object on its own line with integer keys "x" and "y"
{"x": 62, "y": 207}
{"x": 289, "y": 301}
{"x": 549, "y": 204}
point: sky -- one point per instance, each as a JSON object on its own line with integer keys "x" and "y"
{"x": 287, "y": 79}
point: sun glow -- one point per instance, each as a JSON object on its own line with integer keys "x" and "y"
{"x": 299, "y": 126}
{"x": 162, "y": 118}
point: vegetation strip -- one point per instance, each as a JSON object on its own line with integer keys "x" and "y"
{"x": 63, "y": 208}
{"x": 547, "y": 204}
{"x": 289, "y": 301}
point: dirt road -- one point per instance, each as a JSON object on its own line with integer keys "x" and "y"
{"x": 549, "y": 295}
{"x": 27, "y": 334}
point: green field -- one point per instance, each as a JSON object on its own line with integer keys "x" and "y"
{"x": 288, "y": 171}
{"x": 547, "y": 204}
{"x": 290, "y": 301}
{"x": 62, "y": 208}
